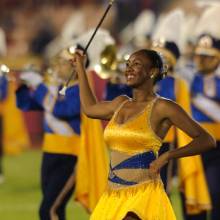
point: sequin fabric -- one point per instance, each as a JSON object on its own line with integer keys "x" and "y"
{"x": 133, "y": 146}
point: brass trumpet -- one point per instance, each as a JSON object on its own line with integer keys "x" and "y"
{"x": 14, "y": 74}
{"x": 111, "y": 65}
{"x": 5, "y": 71}
{"x": 49, "y": 74}
{"x": 29, "y": 77}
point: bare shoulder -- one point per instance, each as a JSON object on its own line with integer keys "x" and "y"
{"x": 167, "y": 107}
{"x": 162, "y": 103}
{"x": 116, "y": 102}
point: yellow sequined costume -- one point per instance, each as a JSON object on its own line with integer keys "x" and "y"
{"x": 133, "y": 146}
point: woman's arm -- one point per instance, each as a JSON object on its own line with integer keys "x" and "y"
{"x": 91, "y": 107}
{"x": 202, "y": 140}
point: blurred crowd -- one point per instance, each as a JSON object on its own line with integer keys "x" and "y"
{"x": 30, "y": 25}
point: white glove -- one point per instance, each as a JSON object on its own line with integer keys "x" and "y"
{"x": 31, "y": 78}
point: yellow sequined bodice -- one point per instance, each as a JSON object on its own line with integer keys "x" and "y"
{"x": 133, "y": 136}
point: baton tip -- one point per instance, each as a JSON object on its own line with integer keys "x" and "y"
{"x": 63, "y": 91}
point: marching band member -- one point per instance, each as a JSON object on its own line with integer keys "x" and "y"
{"x": 167, "y": 41}
{"x": 62, "y": 130}
{"x": 61, "y": 127}
{"x": 205, "y": 96}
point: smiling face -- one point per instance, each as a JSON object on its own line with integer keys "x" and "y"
{"x": 138, "y": 70}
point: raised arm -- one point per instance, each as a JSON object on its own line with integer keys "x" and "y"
{"x": 201, "y": 140}
{"x": 90, "y": 106}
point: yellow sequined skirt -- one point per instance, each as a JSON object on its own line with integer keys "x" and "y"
{"x": 147, "y": 200}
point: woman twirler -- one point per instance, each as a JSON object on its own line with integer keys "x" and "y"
{"x": 134, "y": 135}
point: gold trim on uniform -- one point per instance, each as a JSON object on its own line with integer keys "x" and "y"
{"x": 59, "y": 144}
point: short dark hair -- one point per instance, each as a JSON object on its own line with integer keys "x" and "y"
{"x": 156, "y": 62}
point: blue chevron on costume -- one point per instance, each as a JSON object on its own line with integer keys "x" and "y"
{"x": 141, "y": 161}
{"x": 115, "y": 179}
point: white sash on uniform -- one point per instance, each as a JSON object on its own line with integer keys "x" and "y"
{"x": 58, "y": 126}
{"x": 208, "y": 107}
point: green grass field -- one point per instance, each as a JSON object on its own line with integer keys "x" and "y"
{"x": 20, "y": 193}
